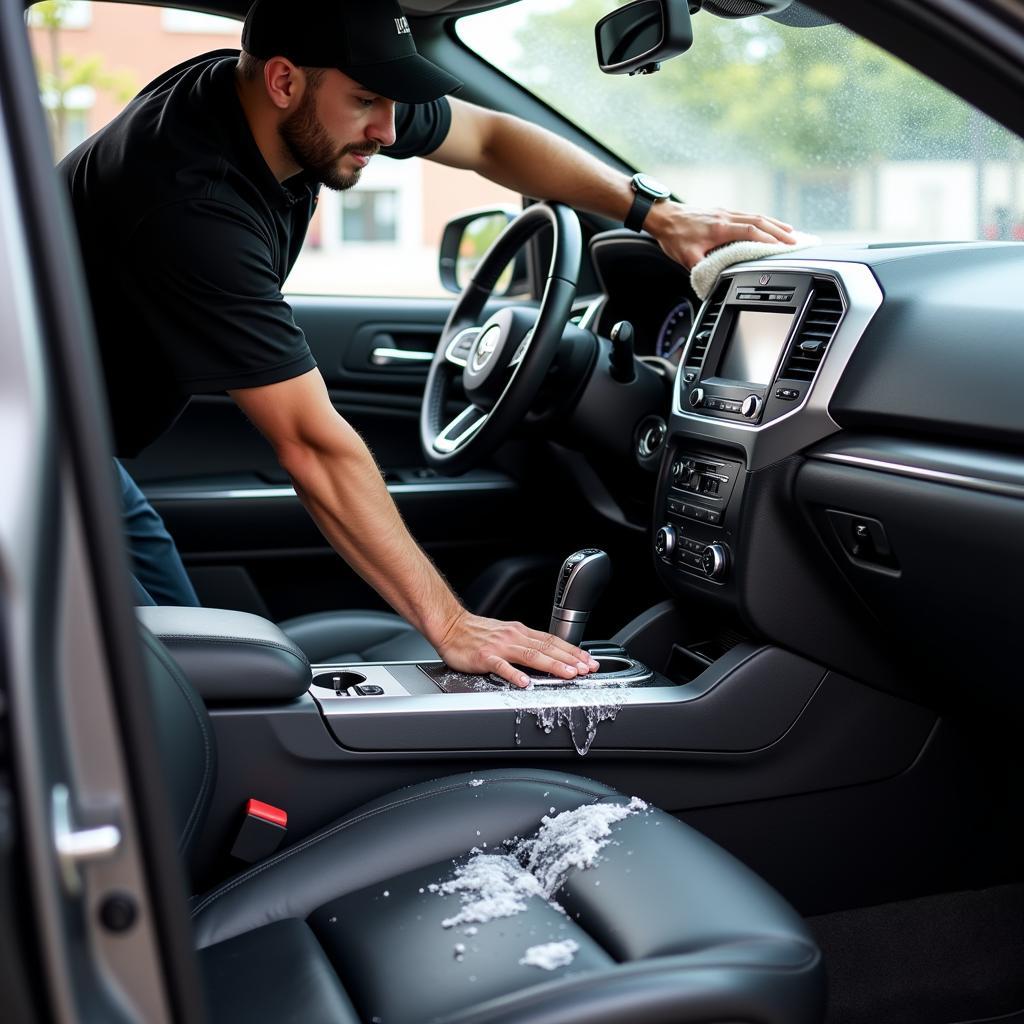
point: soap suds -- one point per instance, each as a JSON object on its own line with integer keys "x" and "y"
{"x": 497, "y": 885}
{"x": 550, "y": 955}
{"x": 476, "y": 782}
{"x": 490, "y": 885}
{"x": 578, "y": 710}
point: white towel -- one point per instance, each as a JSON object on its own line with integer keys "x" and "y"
{"x": 705, "y": 274}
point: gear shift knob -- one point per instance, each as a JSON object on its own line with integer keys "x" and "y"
{"x": 581, "y": 580}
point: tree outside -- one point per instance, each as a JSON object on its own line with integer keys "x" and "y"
{"x": 62, "y": 73}
{"x": 816, "y": 111}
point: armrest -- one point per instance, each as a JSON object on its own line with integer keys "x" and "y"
{"x": 229, "y": 656}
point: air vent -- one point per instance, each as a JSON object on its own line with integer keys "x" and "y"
{"x": 823, "y": 316}
{"x": 706, "y": 327}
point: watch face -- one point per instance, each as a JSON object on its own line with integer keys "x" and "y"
{"x": 650, "y": 186}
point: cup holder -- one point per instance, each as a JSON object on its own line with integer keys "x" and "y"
{"x": 613, "y": 670}
{"x": 610, "y": 663}
{"x": 340, "y": 681}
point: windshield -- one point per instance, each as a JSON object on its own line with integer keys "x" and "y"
{"x": 813, "y": 125}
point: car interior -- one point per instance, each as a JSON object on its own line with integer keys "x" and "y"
{"x": 784, "y": 516}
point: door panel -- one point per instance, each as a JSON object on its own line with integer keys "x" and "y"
{"x": 243, "y": 534}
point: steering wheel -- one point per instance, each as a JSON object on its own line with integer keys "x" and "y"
{"x": 503, "y": 361}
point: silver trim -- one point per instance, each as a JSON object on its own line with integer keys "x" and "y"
{"x": 573, "y": 573}
{"x": 808, "y": 421}
{"x": 483, "y": 348}
{"x": 445, "y": 444}
{"x": 392, "y": 356}
{"x": 569, "y": 614}
{"x": 276, "y": 493}
{"x": 455, "y": 340}
{"x": 591, "y": 311}
{"x": 631, "y": 673}
{"x": 972, "y": 483}
{"x": 397, "y": 700}
{"x": 717, "y": 552}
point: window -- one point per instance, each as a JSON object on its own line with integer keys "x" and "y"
{"x": 68, "y": 114}
{"x": 69, "y": 14}
{"x": 815, "y": 125}
{"x": 175, "y": 20}
{"x": 369, "y": 216}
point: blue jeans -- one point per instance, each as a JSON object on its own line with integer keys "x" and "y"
{"x": 158, "y": 573}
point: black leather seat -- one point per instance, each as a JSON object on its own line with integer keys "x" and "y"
{"x": 343, "y": 636}
{"x": 342, "y": 925}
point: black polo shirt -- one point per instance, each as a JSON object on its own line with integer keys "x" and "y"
{"x": 187, "y": 238}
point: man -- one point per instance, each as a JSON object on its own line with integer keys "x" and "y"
{"x": 191, "y": 208}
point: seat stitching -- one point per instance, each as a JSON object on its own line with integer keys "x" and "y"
{"x": 332, "y": 830}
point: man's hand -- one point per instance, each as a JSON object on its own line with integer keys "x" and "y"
{"x": 475, "y": 644}
{"x": 688, "y": 233}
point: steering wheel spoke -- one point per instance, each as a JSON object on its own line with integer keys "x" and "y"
{"x": 499, "y": 390}
{"x": 461, "y": 429}
{"x": 521, "y": 351}
{"x": 457, "y": 350}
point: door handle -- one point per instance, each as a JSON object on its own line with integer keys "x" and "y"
{"x": 399, "y": 357}
{"x": 78, "y": 846}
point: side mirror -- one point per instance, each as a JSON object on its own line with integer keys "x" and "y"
{"x": 635, "y": 39}
{"x": 465, "y": 240}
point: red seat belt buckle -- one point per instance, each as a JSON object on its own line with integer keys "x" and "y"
{"x": 263, "y": 829}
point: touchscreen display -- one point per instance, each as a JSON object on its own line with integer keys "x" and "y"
{"x": 754, "y": 347}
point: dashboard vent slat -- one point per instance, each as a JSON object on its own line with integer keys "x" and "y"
{"x": 705, "y": 328}
{"x": 815, "y": 334}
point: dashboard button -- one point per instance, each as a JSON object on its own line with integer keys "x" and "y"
{"x": 751, "y": 406}
{"x": 713, "y": 561}
{"x": 787, "y": 394}
{"x": 665, "y": 541}
{"x": 714, "y": 517}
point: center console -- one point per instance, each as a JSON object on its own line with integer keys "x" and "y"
{"x": 752, "y": 388}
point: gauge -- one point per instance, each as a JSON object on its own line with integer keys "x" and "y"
{"x": 674, "y": 332}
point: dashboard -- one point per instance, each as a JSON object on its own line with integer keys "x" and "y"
{"x": 843, "y": 464}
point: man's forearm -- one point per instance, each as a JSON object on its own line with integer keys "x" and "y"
{"x": 344, "y": 492}
{"x": 536, "y": 162}
{"x": 540, "y": 164}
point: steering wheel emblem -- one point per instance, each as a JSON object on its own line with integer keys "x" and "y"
{"x": 485, "y": 347}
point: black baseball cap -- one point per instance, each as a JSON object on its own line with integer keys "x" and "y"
{"x": 369, "y": 40}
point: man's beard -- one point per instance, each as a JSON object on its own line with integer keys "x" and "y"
{"x": 312, "y": 149}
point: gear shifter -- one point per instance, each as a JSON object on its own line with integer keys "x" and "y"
{"x": 582, "y": 578}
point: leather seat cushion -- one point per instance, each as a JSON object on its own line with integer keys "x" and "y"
{"x": 347, "y": 636}
{"x": 669, "y": 926}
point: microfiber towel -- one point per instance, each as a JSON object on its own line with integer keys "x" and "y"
{"x": 705, "y": 274}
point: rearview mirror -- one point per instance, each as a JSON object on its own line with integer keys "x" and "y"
{"x": 635, "y": 39}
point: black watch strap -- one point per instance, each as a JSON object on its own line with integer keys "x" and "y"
{"x": 642, "y": 204}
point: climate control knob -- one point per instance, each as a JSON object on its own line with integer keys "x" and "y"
{"x": 696, "y": 398}
{"x": 665, "y": 542}
{"x": 751, "y": 406}
{"x": 713, "y": 561}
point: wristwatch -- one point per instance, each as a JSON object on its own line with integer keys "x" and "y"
{"x": 648, "y": 192}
